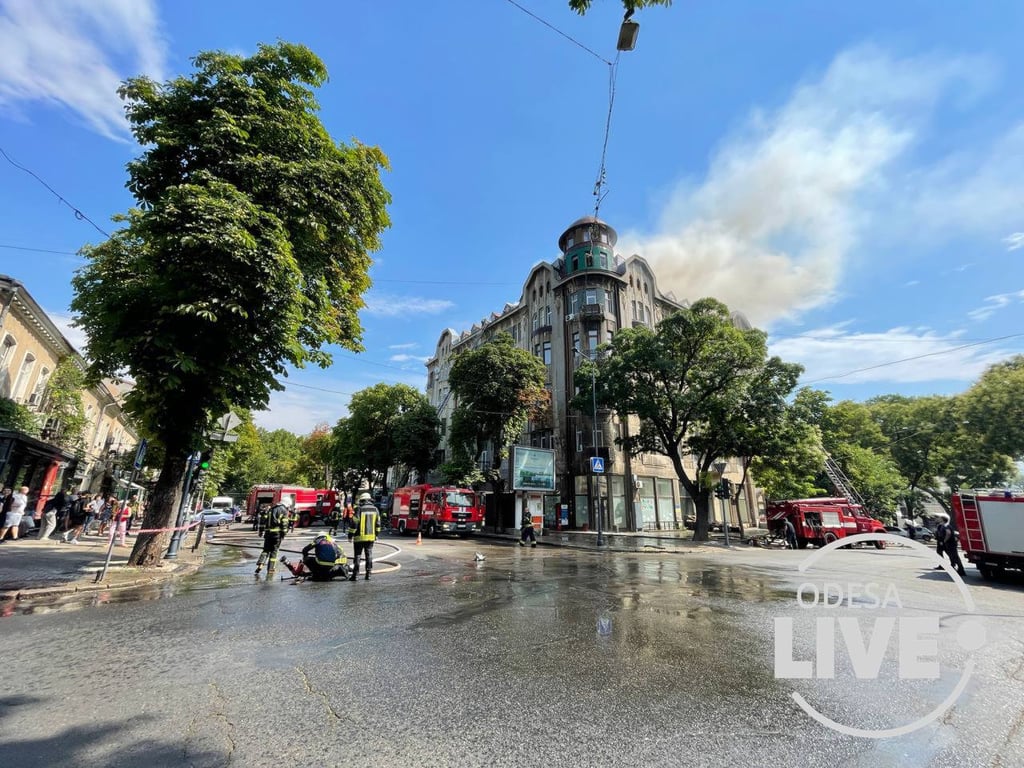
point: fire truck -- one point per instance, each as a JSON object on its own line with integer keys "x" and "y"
{"x": 822, "y": 521}
{"x": 434, "y": 509}
{"x": 309, "y": 503}
{"x": 991, "y": 527}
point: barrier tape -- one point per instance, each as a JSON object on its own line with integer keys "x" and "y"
{"x": 164, "y": 530}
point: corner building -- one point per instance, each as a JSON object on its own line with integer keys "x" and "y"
{"x": 581, "y": 301}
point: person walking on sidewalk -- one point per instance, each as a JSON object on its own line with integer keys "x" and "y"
{"x": 364, "y": 528}
{"x": 119, "y": 524}
{"x": 93, "y": 511}
{"x": 48, "y": 523}
{"x": 16, "y": 510}
{"x": 950, "y": 543}
{"x": 77, "y": 512}
{"x": 273, "y": 534}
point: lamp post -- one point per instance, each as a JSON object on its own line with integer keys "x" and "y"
{"x": 596, "y": 499}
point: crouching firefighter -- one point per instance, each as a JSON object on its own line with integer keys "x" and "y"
{"x": 363, "y": 529}
{"x": 322, "y": 560}
{"x": 273, "y": 535}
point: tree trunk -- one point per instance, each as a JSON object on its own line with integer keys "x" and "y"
{"x": 161, "y": 512}
{"x": 702, "y": 529}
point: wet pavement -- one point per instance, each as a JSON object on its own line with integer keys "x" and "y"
{"x": 547, "y": 656}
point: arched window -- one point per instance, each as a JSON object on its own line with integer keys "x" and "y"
{"x": 27, "y": 364}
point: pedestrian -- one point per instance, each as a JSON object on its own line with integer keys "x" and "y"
{"x": 92, "y": 512}
{"x": 15, "y": 511}
{"x": 949, "y": 545}
{"x": 791, "y": 542}
{"x": 77, "y": 511}
{"x": 526, "y": 530}
{"x": 107, "y": 514}
{"x": 333, "y": 518}
{"x": 131, "y": 517}
{"x": 119, "y": 522}
{"x": 273, "y": 534}
{"x": 364, "y": 527}
{"x": 48, "y": 523}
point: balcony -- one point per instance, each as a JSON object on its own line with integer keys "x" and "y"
{"x": 592, "y": 312}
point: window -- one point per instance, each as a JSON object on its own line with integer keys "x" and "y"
{"x": 634, "y": 310}
{"x": 570, "y": 242}
{"x": 609, "y": 302}
{"x": 547, "y": 314}
{"x": 547, "y": 353}
{"x": 536, "y": 318}
{"x": 590, "y": 258}
{"x": 536, "y": 350}
{"x": 27, "y": 364}
{"x": 592, "y": 338}
{"x": 36, "y": 398}
{"x": 576, "y": 340}
{"x": 579, "y": 440}
{"x": 640, "y": 308}
{"x": 586, "y": 235}
{"x": 7, "y": 351}
{"x": 575, "y": 262}
{"x": 590, "y": 296}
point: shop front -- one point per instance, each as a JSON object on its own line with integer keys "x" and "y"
{"x": 27, "y": 461}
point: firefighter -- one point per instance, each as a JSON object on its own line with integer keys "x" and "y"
{"x": 526, "y": 532}
{"x": 273, "y": 534}
{"x": 322, "y": 559}
{"x": 333, "y": 518}
{"x": 790, "y": 531}
{"x": 363, "y": 529}
{"x": 949, "y": 544}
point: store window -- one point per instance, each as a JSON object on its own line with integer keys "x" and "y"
{"x": 667, "y": 514}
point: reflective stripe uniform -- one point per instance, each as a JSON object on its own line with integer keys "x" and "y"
{"x": 364, "y": 527}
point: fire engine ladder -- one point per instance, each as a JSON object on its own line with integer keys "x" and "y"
{"x": 841, "y": 482}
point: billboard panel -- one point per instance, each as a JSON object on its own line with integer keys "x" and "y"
{"x": 533, "y": 469}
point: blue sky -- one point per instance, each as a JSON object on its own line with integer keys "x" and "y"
{"x": 851, "y": 176}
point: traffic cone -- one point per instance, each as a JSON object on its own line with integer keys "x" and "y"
{"x": 419, "y": 538}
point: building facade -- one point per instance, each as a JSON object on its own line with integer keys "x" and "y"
{"x": 31, "y": 348}
{"x": 567, "y": 309}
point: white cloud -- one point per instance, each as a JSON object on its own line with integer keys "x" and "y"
{"x": 76, "y": 53}
{"x": 299, "y": 411}
{"x": 771, "y": 226}
{"x": 834, "y": 355}
{"x": 995, "y": 303}
{"x": 75, "y": 336}
{"x": 407, "y": 359}
{"x": 1014, "y": 241}
{"x": 385, "y": 305}
{"x": 410, "y": 345}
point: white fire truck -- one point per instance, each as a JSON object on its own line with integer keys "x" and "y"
{"x": 991, "y": 526}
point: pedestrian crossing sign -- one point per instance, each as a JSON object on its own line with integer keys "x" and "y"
{"x": 597, "y": 465}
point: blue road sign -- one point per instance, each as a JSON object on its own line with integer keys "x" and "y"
{"x": 140, "y": 454}
{"x": 597, "y": 465}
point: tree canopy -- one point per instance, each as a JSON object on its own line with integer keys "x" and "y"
{"x": 692, "y": 382}
{"x": 497, "y": 387}
{"x": 582, "y": 6}
{"x": 248, "y": 251}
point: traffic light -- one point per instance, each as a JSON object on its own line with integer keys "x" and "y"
{"x": 724, "y": 489}
{"x": 204, "y": 460}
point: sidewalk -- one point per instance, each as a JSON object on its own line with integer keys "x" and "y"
{"x": 677, "y": 541}
{"x": 30, "y": 568}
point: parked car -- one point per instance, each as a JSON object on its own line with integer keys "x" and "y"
{"x": 920, "y": 533}
{"x": 215, "y": 516}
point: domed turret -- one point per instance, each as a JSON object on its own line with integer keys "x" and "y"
{"x": 588, "y": 245}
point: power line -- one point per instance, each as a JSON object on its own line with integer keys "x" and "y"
{"x": 563, "y": 34}
{"x": 78, "y": 214}
{"x": 915, "y": 357}
{"x": 38, "y": 250}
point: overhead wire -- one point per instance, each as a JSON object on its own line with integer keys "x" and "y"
{"x": 571, "y": 39}
{"x": 78, "y": 213}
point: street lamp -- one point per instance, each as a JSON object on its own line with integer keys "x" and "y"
{"x": 596, "y": 500}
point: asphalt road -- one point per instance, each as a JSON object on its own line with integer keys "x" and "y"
{"x": 531, "y": 657}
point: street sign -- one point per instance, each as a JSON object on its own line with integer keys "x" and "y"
{"x": 597, "y": 465}
{"x": 140, "y": 454}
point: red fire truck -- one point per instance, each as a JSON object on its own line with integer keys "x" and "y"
{"x": 434, "y": 509}
{"x": 310, "y": 504}
{"x": 822, "y": 521}
{"x": 991, "y": 527}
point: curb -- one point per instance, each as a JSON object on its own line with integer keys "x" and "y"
{"x": 81, "y": 585}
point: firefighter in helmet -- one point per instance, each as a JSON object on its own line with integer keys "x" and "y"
{"x": 273, "y": 534}
{"x": 333, "y": 518}
{"x": 322, "y": 559}
{"x": 363, "y": 528}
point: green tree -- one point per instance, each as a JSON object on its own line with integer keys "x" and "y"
{"x": 248, "y": 252}
{"x": 683, "y": 381}
{"x": 498, "y": 387}
{"x": 994, "y": 407}
{"x": 417, "y": 433}
{"x": 247, "y": 461}
{"x": 17, "y": 417}
{"x": 63, "y": 404}
{"x": 284, "y": 456}
{"x": 582, "y": 6}
{"x": 315, "y": 451}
